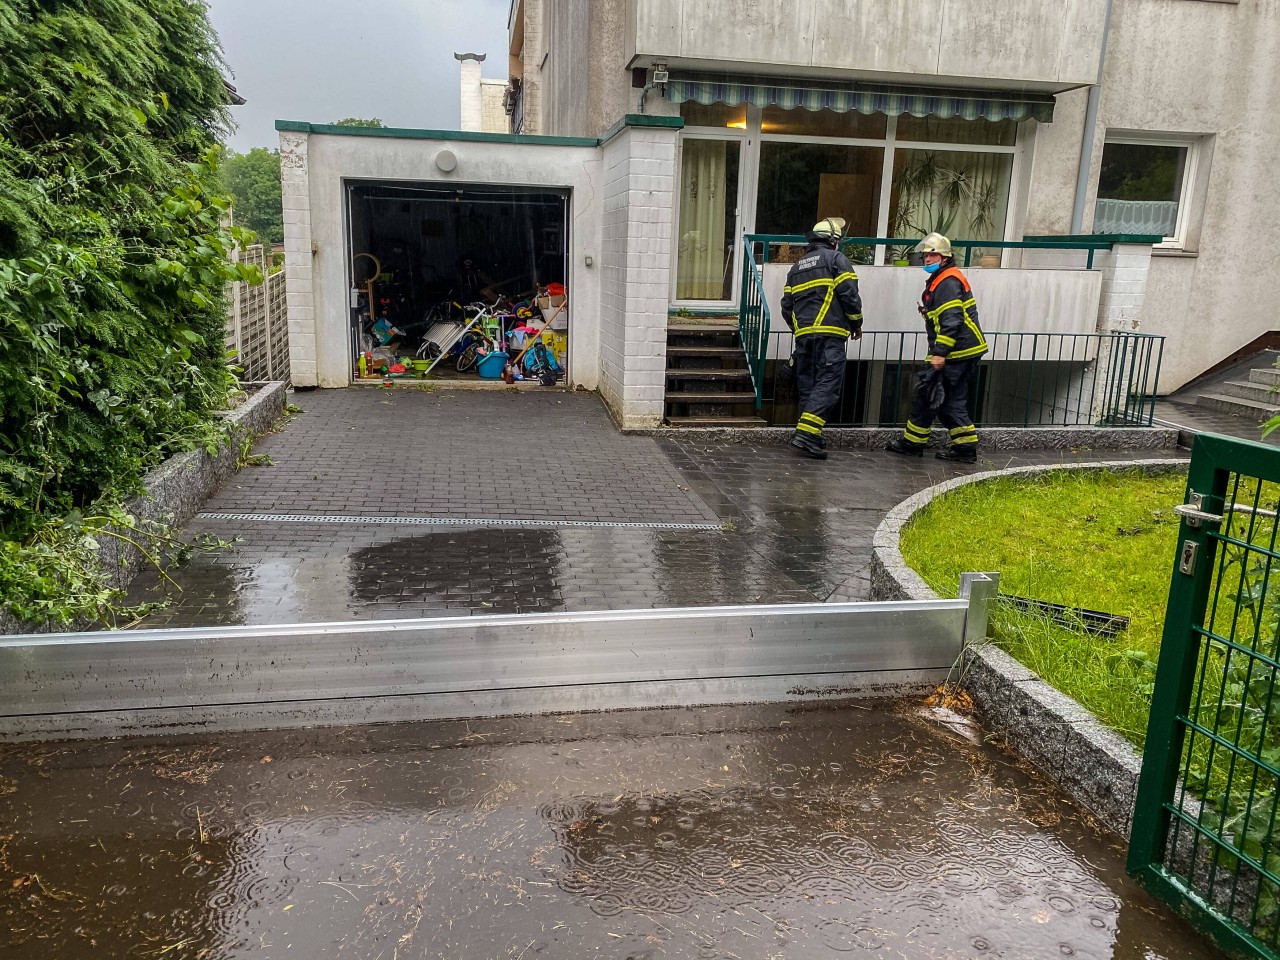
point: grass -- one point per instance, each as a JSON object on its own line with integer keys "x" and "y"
{"x": 1100, "y": 540}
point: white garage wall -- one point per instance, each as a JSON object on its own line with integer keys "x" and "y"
{"x": 314, "y": 168}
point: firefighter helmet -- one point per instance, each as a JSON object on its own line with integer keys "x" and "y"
{"x": 934, "y": 243}
{"x": 832, "y": 228}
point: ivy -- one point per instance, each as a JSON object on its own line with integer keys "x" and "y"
{"x": 114, "y": 258}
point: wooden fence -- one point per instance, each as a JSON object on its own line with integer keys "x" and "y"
{"x": 258, "y": 322}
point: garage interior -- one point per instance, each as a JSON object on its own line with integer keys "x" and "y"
{"x": 457, "y": 282}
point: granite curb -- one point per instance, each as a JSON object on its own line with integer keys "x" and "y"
{"x": 177, "y": 488}
{"x": 993, "y": 438}
{"x": 1096, "y": 766}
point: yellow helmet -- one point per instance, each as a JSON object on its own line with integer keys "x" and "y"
{"x": 832, "y": 228}
{"x": 934, "y": 243}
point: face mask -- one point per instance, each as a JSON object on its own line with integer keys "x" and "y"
{"x": 932, "y": 267}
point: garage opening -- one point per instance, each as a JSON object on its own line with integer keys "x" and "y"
{"x": 458, "y": 282}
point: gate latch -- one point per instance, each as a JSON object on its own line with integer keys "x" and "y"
{"x": 1187, "y": 557}
{"x": 1191, "y": 512}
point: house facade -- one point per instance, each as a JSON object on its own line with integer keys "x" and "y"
{"x": 992, "y": 119}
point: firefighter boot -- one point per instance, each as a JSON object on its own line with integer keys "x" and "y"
{"x": 809, "y": 446}
{"x": 959, "y": 454}
{"x": 907, "y": 449}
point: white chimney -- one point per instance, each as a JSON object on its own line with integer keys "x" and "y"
{"x": 472, "y": 103}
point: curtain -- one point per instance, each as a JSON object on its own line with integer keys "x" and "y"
{"x": 702, "y": 255}
{"x": 962, "y": 195}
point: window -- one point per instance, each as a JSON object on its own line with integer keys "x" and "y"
{"x": 999, "y": 133}
{"x": 823, "y": 123}
{"x": 961, "y": 195}
{"x": 713, "y": 115}
{"x": 800, "y": 183}
{"x": 1144, "y": 186}
{"x": 708, "y": 218}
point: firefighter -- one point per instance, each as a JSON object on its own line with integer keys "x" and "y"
{"x": 821, "y": 305}
{"x": 956, "y": 345}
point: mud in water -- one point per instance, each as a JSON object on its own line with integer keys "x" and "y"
{"x": 746, "y": 832}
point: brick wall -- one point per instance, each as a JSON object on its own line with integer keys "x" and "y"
{"x": 639, "y": 168}
{"x": 298, "y": 270}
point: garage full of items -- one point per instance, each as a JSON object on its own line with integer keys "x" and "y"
{"x": 457, "y": 283}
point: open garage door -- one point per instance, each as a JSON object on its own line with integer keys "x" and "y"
{"x": 458, "y": 282}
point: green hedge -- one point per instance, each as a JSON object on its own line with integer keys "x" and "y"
{"x": 113, "y": 257}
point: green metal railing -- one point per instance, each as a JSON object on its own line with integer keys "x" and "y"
{"x": 754, "y": 321}
{"x": 1206, "y": 824}
{"x": 1034, "y": 379}
{"x": 1044, "y": 378}
{"x": 862, "y": 250}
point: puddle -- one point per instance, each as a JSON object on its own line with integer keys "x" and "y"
{"x": 702, "y": 833}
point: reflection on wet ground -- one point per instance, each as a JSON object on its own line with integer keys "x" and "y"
{"x": 795, "y": 531}
{"x": 705, "y": 833}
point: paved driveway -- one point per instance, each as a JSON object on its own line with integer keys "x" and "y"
{"x": 407, "y": 504}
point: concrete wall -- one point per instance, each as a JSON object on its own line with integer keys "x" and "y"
{"x": 639, "y": 184}
{"x": 493, "y": 116}
{"x": 564, "y": 74}
{"x": 1031, "y": 301}
{"x": 1216, "y": 76}
{"x": 317, "y": 248}
{"x": 1046, "y": 45}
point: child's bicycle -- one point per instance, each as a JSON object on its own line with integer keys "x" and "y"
{"x": 483, "y": 336}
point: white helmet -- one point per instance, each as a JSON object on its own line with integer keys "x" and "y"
{"x": 832, "y": 228}
{"x": 934, "y": 243}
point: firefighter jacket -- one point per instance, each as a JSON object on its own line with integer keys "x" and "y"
{"x": 951, "y": 316}
{"x": 821, "y": 295}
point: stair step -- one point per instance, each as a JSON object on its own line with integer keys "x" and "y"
{"x": 744, "y": 396}
{"x": 701, "y": 329}
{"x": 716, "y": 421}
{"x": 1268, "y": 375}
{"x": 1245, "y": 390}
{"x": 678, "y": 351}
{"x": 1238, "y": 405}
{"x": 702, "y": 373}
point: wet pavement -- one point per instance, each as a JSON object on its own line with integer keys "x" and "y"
{"x": 360, "y": 471}
{"x": 764, "y": 831}
{"x": 879, "y": 831}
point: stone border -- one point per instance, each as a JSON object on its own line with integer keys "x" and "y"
{"x": 177, "y": 489}
{"x": 1095, "y": 765}
{"x": 993, "y": 438}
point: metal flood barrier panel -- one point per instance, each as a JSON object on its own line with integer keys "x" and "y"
{"x": 85, "y": 685}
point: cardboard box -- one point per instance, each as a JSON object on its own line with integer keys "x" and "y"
{"x": 548, "y": 304}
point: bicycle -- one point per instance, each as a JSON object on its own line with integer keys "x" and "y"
{"x": 483, "y": 334}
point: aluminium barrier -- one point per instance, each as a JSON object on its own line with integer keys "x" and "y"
{"x": 90, "y": 685}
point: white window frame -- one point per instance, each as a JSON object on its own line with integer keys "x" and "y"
{"x": 1193, "y": 144}
{"x": 747, "y": 169}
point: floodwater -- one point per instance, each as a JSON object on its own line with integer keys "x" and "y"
{"x": 866, "y": 830}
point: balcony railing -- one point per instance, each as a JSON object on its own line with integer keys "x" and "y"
{"x": 1031, "y": 379}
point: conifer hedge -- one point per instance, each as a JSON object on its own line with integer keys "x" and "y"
{"x": 113, "y": 257}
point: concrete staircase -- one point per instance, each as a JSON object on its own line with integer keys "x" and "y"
{"x": 1246, "y": 398}
{"x": 708, "y": 384}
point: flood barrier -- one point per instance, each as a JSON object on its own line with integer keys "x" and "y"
{"x": 87, "y": 685}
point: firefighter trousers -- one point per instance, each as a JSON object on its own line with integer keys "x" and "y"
{"x": 820, "y": 363}
{"x": 957, "y": 378}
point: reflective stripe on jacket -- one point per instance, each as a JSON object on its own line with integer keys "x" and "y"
{"x": 821, "y": 295}
{"x": 951, "y": 316}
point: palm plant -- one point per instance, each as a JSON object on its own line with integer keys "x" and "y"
{"x": 934, "y": 195}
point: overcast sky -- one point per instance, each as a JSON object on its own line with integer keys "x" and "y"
{"x": 322, "y": 60}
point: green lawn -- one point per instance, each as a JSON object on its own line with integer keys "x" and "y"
{"x": 1099, "y": 540}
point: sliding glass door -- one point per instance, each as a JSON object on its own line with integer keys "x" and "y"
{"x": 705, "y": 242}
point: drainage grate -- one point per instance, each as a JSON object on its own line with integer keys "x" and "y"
{"x": 447, "y": 521}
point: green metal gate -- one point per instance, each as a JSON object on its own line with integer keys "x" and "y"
{"x": 1206, "y": 826}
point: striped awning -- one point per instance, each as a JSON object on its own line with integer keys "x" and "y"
{"x": 892, "y": 101}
